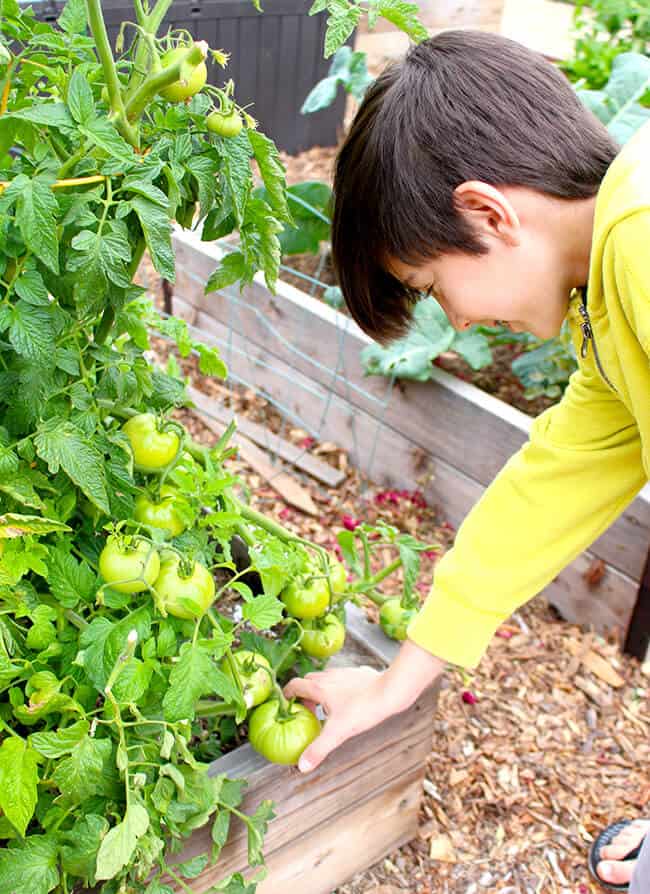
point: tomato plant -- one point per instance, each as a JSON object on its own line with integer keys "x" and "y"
{"x": 183, "y": 589}
{"x": 111, "y": 666}
{"x": 153, "y": 447}
{"x": 164, "y": 513}
{"x": 189, "y": 83}
{"x": 307, "y": 598}
{"x": 225, "y": 124}
{"x": 323, "y": 637}
{"x": 129, "y": 565}
{"x": 281, "y": 735}
{"x": 254, "y": 674}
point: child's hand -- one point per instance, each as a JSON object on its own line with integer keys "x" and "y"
{"x": 354, "y": 699}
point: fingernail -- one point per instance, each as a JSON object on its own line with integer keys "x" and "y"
{"x": 303, "y": 765}
{"x": 605, "y": 872}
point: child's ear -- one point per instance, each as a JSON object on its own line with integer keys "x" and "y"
{"x": 488, "y": 211}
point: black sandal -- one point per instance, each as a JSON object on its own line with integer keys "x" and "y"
{"x": 606, "y": 837}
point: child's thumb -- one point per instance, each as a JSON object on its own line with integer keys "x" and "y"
{"x": 316, "y": 753}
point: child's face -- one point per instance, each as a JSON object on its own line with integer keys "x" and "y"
{"x": 525, "y": 277}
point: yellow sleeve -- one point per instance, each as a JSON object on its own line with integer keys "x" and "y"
{"x": 629, "y": 266}
{"x": 579, "y": 470}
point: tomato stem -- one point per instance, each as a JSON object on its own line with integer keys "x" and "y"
{"x": 98, "y": 30}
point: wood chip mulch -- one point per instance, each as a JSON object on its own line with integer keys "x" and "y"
{"x": 534, "y": 753}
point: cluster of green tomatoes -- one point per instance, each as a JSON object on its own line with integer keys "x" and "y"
{"x": 185, "y": 589}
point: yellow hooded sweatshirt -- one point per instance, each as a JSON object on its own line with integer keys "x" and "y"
{"x": 587, "y": 457}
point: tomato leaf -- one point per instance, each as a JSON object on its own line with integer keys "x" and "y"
{"x": 74, "y": 19}
{"x": 80, "y": 845}
{"x": 62, "y": 445}
{"x": 116, "y": 850}
{"x": 36, "y": 213}
{"x": 18, "y": 782}
{"x": 273, "y": 173}
{"x": 193, "y": 676}
{"x": 232, "y": 268}
{"x": 70, "y": 580}
{"x": 80, "y": 98}
{"x": 262, "y": 611}
{"x": 157, "y": 233}
{"x": 405, "y": 16}
{"x": 59, "y": 742}
{"x": 34, "y": 861}
{"x": 79, "y": 776}
{"x": 257, "y": 825}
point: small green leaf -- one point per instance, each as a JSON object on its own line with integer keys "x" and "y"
{"x": 193, "y": 676}
{"x": 36, "y": 213}
{"x": 103, "y": 133}
{"x": 80, "y": 845}
{"x": 80, "y": 98}
{"x": 231, "y": 270}
{"x": 18, "y": 782}
{"x": 272, "y": 171}
{"x": 79, "y": 776}
{"x": 57, "y": 743}
{"x": 117, "y": 848}
{"x": 62, "y": 445}
{"x": 157, "y": 233}
{"x": 74, "y": 18}
{"x": 263, "y": 611}
{"x": 257, "y": 825}
{"x": 405, "y": 16}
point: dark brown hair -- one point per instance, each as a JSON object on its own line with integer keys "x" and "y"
{"x": 460, "y": 106}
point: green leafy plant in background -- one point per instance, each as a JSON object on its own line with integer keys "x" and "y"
{"x": 310, "y": 205}
{"x": 430, "y": 335}
{"x": 604, "y": 30}
{"x": 348, "y": 70}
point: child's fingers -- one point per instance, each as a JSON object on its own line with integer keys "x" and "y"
{"x": 303, "y": 688}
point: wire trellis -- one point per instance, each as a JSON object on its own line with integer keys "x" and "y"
{"x": 330, "y": 389}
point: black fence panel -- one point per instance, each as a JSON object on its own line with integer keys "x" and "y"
{"x": 276, "y": 57}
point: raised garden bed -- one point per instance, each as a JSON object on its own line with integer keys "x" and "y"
{"x": 360, "y": 804}
{"x": 445, "y": 436}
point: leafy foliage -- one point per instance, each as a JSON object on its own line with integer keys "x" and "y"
{"x": 348, "y": 70}
{"x": 619, "y": 103}
{"x": 430, "y": 335}
{"x": 604, "y": 30}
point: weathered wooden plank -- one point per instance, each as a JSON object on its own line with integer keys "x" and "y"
{"x": 638, "y": 637}
{"x": 447, "y": 418}
{"x": 263, "y": 437}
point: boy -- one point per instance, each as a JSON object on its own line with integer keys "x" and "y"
{"x": 472, "y": 172}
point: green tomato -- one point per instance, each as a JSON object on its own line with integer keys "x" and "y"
{"x": 253, "y": 671}
{"x": 282, "y": 740}
{"x": 179, "y": 91}
{"x": 153, "y": 450}
{"x": 309, "y": 600}
{"x": 395, "y": 619}
{"x": 162, "y": 514}
{"x": 323, "y": 637}
{"x": 225, "y": 125}
{"x": 129, "y": 565}
{"x": 184, "y": 596}
{"x": 338, "y": 577}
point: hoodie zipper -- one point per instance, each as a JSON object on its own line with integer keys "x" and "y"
{"x": 588, "y": 336}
